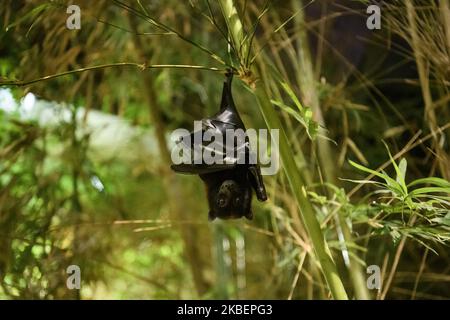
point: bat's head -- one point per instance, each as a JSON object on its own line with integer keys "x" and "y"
{"x": 232, "y": 200}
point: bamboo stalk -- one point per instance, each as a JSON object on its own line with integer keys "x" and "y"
{"x": 291, "y": 170}
{"x": 422, "y": 70}
{"x": 307, "y": 82}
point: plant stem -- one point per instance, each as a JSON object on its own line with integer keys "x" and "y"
{"x": 297, "y": 185}
{"x": 422, "y": 69}
{"x": 291, "y": 170}
{"x": 141, "y": 66}
{"x": 307, "y": 82}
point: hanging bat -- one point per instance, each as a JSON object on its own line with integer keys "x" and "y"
{"x": 229, "y": 185}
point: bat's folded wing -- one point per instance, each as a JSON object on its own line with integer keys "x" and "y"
{"x": 192, "y": 168}
{"x": 212, "y": 155}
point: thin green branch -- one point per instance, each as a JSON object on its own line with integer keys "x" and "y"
{"x": 255, "y": 28}
{"x": 141, "y": 66}
{"x": 139, "y": 34}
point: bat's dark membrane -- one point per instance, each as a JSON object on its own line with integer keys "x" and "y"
{"x": 229, "y": 185}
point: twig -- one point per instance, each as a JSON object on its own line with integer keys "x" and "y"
{"x": 141, "y": 66}
{"x": 299, "y": 269}
{"x": 419, "y": 274}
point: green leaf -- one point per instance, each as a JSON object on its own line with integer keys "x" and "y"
{"x": 402, "y": 168}
{"x": 442, "y": 220}
{"x": 429, "y": 190}
{"x": 400, "y": 177}
{"x": 290, "y": 111}
{"x": 391, "y": 183}
{"x": 431, "y": 180}
{"x": 310, "y": 125}
{"x": 292, "y": 95}
{"x": 304, "y": 114}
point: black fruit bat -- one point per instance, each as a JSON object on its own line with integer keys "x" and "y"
{"x": 229, "y": 185}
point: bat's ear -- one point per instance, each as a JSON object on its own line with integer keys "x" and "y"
{"x": 211, "y": 215}
{"x": 249, "y": 215}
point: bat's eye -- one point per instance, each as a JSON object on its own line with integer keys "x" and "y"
{"x": 237, "y": 201}
{"x": 222, "y": 202}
